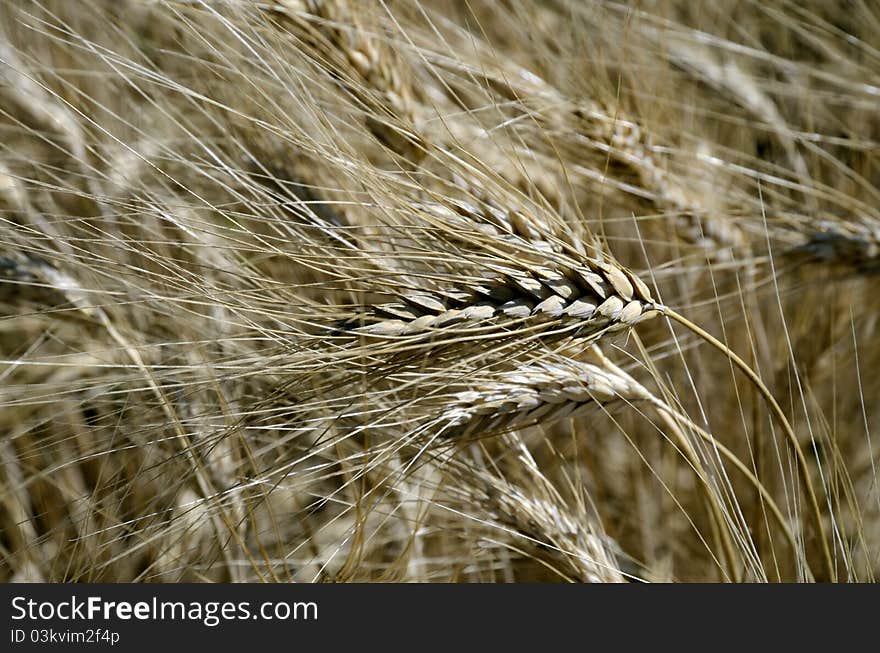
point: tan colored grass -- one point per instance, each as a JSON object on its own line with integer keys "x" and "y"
{"x": 315, "y": 290}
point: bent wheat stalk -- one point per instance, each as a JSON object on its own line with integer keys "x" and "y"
{"x": 781, "y": 418}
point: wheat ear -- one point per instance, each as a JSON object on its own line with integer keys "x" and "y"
{"x": 534, "y": 510}
{"x": 626, "y": 141}
{"x": 849, "y": 246}
{"x": 365, "y": 65}
{"x": 583, "y": 299}
{"x": 538, "y": 392}
{"x": 543, "y": 392}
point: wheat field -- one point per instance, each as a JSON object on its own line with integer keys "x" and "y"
{"x": 439, "y": 291}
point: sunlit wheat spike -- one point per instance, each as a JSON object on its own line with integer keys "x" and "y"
{"x": 539, "y": 392}
{"x": 583, "y": 299}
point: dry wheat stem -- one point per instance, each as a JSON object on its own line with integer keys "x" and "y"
{"x": 611, "y": 131}
{"x": 783, "y": 421}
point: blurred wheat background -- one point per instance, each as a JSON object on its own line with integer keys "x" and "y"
{"x": 435, "y": 290}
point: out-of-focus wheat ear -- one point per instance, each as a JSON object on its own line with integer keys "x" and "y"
{"x": 349, "y": 42}
{"x": 532, "y": 509}
{"x": 630, "y": 145}
{"x": 28, "y": 278}
{"x": 846, "y": 246}
{"x": 45, "y": 110}
{"x": 728, "y": 77}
